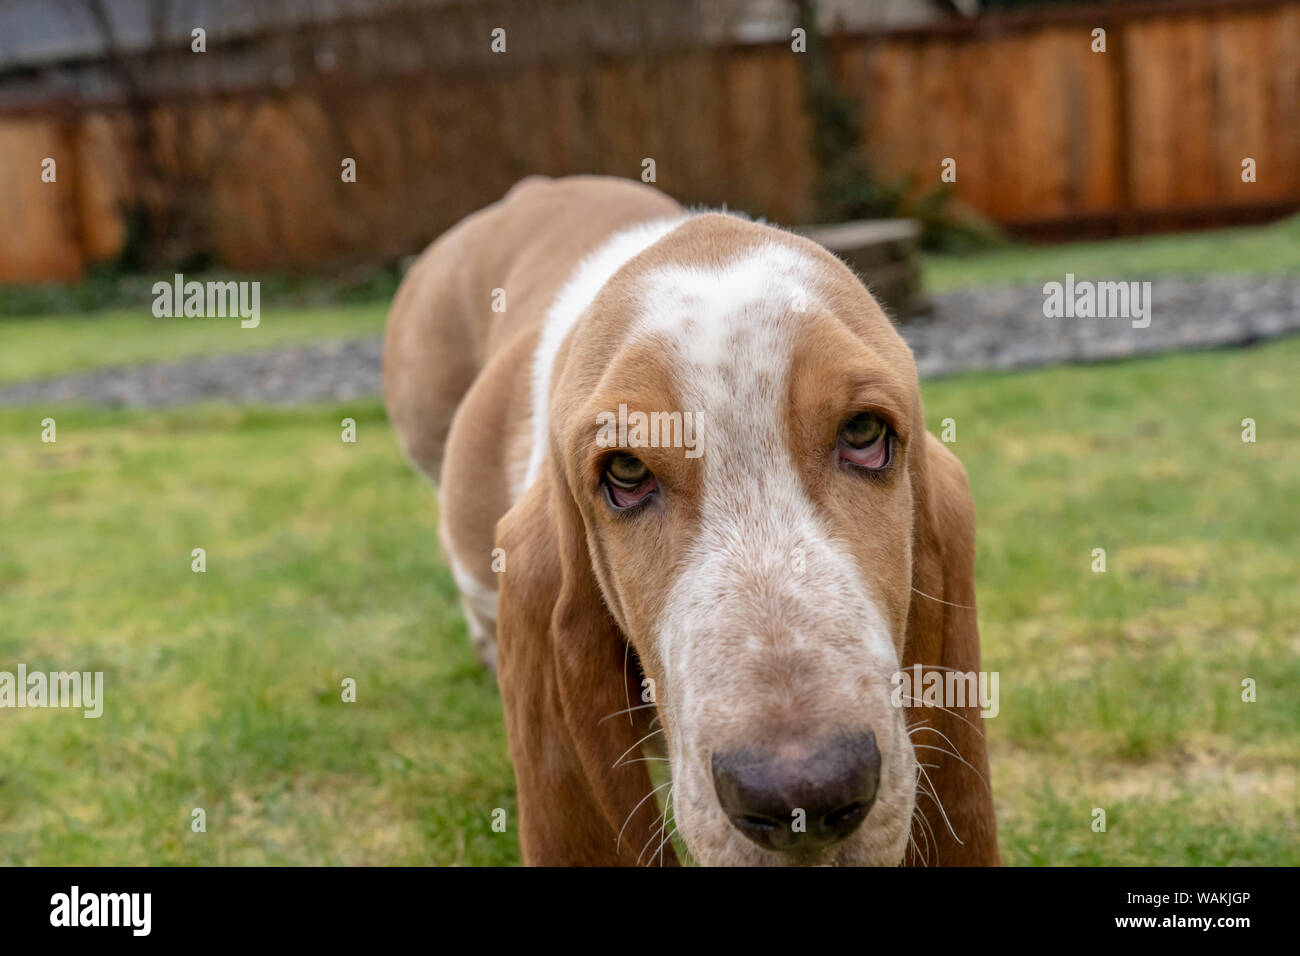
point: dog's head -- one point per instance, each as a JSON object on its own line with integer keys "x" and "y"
{"x": 735, "y": 442}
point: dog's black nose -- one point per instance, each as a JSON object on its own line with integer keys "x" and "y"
{"x": 762, "y": 790}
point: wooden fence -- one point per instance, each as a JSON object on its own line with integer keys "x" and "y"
{"x": 1048, "y": 136}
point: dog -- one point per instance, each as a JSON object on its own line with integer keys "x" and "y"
{"x": 731, "y": 606}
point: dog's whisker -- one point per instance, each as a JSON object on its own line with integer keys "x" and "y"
{"x": 946, "y": 738}
{"x": 921, "y": 855}
{"x": 966, "y": 607}
{"x": 922, "y": 767}
{"x": 932, "y": 792}
{"x": 619, "y": 841}
{"x": 911, "y": 837}
{"x": 923, "y": 790}
{"x": 656, "y": 832}
{"x": 922, "y": 826}
{"x": 659, "y": 851}
{"x": 979, "y": 730}
{"x": 954, "y": 754}
{"x": 633, "y": 747}
{"x": 927, "y": 830}
{"x": 664, "y": 842}
{"x": 627, "y": 710}
{"x": 667, "y": 840}
{"x": 939, "y": 803}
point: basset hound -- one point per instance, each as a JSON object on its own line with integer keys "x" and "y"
{"x": 699, "y": 529}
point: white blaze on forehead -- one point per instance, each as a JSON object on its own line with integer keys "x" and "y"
{"x": 730, "y": 333}
{"x": 578, "y": 293}
{"x": 769, "y": 284}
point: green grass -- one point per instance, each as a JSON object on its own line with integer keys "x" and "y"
{"x": 1273, "y": 248}
{"x": 224, "y": 688}
{"x": 41, "y": 347}
{"x": 1118, "y": 690}
{"x": 1122, "y": 690}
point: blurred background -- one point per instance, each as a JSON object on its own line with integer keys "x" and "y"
{"x": 958, "y": 153}
{"x": 227, "y": 157}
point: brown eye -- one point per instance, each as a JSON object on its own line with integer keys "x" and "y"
{"x": 864, "y": 442}
{"x": 628, "y": 482}
{"x": 861, "y": 430}
{"x": 626, "y": 471}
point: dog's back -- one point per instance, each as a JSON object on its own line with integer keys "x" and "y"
{"x": 459, "y": 353}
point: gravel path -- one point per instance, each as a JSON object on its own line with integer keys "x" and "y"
{"x": 296, "y": 375}
{"x": 1000, "y": 327}
{"x": 1003, "y": 327}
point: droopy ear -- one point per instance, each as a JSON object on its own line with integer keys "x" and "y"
{"x": 563, "y": 670}
{"x": 942, "y": 632}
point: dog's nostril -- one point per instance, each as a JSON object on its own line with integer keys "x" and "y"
{"x": 850, "y": 815}
{"x": 838, "y": 824}
{"x": 799, "y": 797}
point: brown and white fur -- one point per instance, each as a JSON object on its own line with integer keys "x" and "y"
{"x": 765, "y": 596}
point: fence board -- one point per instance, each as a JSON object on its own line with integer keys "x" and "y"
{"x": 1048, "y": 135}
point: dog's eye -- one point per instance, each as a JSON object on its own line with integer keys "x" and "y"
{"x": 628, "y": 482}
{"x": 862, "y": 430}
{"x": 864, "y": 442}
{"x": 626, "y": 471}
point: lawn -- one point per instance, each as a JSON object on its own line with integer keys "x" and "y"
{"x": 1274, "y": 248}
{"x": 46, "y": 346}
{"x": 224, "y": 689}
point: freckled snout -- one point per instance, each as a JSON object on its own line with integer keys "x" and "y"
{"x": 834, "y": 783}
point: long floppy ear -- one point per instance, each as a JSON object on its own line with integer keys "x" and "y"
{"x": 942, "y": 633}
{"x": 563, "y": 670}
